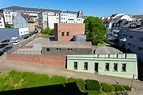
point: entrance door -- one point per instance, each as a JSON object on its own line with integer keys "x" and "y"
{"x": 96, "y": 67}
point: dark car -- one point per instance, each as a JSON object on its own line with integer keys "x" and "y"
{"x": 5, "y": 41}
{"x": 1, "y": 53}
{"x": 35, "y": 31}
{"x": 7, "y": 48}
{"x": 3, "y": 45}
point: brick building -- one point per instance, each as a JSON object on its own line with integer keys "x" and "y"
{"x": 65, "y": 31}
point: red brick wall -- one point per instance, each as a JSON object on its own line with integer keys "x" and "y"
{"x": 72, "y": 28}
{"x": 42, "y": 59}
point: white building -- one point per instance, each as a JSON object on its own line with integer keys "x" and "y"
{"x": 2, "y": 24}
{"x": 47, "y": 19}
{"x": 134, "y": 41}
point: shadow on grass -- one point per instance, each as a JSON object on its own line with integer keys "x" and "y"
{"x": 60, "y": 89}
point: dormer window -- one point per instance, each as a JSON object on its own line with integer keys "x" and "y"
{"x": 133, "y": 25}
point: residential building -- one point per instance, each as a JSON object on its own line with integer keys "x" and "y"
{"x": 20, "y": 22}
{"x": 119, "y": 65}
{"x": 2, "y": 23}
{"x": 66, "y": 48}
{"x": 31, "y": 25}
{"x": 134, "y": 41}
{"x": 12, "y": 11}
{"x": 48, "y": 18}
{"x": 66, "y": 31}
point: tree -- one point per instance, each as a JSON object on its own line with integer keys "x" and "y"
{"x": 48, "y": 31}
{"x": 95, "y": 30}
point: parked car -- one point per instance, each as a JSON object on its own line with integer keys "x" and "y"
{"x": 16, "y": 42}
{"x": 7, "y": 48}
{"x": 3, "y": 45}
{"x": 5, "y": 41}
{"x": 1, "y": 53}
{"x": 25, "y": 36}
{"x": 35, "y": 31}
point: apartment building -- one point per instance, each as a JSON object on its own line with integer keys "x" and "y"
{"x": 48, "y": 18}
{"x": 2, "y": 23}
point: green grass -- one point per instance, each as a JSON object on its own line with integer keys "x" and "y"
{"x": 44, "y": 35}
{"x": 17, "y": 80}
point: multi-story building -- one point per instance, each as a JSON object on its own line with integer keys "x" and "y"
{"x": 47, "y": 19}
{"x": 2, "y": 23}
{"x": 134, "y": 41}
{"x": 12, "y": 11}
{"x": 66, "y": 31}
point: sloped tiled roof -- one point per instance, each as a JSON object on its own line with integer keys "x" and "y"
{"x": 137, "y": 16}
{"x": 27, "y": 18}
{"x": 128, "y": 24}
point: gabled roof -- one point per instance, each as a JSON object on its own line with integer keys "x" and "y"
{"x": 27, "y": 18}
{"x": 134, "y": 22}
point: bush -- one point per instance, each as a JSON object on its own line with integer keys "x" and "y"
{"x": 71, "y": 79}
{"x": 11, "y": 73}
{"x": 16, "y": 78}
{"x": 81, "y": 84}
{"x": 93, "y": 92}
{"x": 92, "y": 85}
{"x": 118, "y": 87}
{"x": 58, "y": 79}
{"x": 107, "y": 88}
{"x": 127, "y": 87}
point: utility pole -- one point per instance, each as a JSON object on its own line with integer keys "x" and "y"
{"x": 132, "y": 81}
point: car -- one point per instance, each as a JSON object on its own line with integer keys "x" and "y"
{"x": 5, "y": 41}
{"x": 35, "y": 31}
{"x": 1, "y": 53}
{"x": 25, "y": 36}
{"x": 7, "y": 48}
{"x": 3, "y": 45}
{"x": 16, "y": 42}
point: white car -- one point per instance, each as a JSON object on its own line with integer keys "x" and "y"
{"x": 16, "y": 42}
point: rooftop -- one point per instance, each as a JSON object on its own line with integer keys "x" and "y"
{"x": 140, "y": 29}
{"x": 27, "y": 18}
{"x": 135, "y": 22}
{"x": 68, "y": 44}
{"x": 34, "y": 9}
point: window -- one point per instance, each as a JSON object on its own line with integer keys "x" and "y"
{"x": 62, "y": 33}
{"x": 115, "y": 66}
{"x": 75, "y": 65}
{"x": 48, "y": 49}
{"x": 69, "y": 49}
{"x": 140, "y": 48}
{"x": 124, "y": 67}
{"x": 141, "y": 38}
{"x": 85, "y": 65}
{"x": 107, "y": 66}
{"x": 130, "y": 36}
{"x": 67, "y": 33}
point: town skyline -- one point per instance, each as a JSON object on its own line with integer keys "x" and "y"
{"x": 97, "y": 8}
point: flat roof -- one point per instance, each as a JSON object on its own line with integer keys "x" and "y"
{"x": 67, "y": 44}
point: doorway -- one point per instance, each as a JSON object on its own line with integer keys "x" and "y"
{"x": 96, "y": 67}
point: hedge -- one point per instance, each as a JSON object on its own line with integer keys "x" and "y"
{"x": 81, "y": 84}
{"x": 93, "y": 92}
{"x": 127, "y": 87}
{"x": 71, "y": 79}
{"x": 107, "y": 87}
{"x": 92, "y": 85}
{"x": 118, "y": 87}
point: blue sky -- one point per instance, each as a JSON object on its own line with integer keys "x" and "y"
{"x": 89, "y": 7}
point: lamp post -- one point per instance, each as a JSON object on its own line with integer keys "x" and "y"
{"x": 132, "y": 81}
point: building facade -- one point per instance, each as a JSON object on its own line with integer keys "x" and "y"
{"x": 66, "y": 48}
{"x": 21, "y": 23}
{"x": 119, "y": 65}
{"x": 65, "y": 31}
{"x": 2, "y": 22}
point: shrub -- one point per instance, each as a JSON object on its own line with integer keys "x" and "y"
{"x": 16, "y": 78}
{"x": 127, "y": 87}
{"x": 93, "y": 92}
{"x": 58, "y": 79}
{"x": 107, "y": 88}
{"x": 81, "y": 84}
{"x": 118, "y": 87}
{"x": 92, "y": 85}
{"x": 71, "y": 79}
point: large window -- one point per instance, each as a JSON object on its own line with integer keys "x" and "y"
{"x": 63, "y": 34}
{"x": 124, "y": 67}
{"x": 115, "y": 66}
{"x": 85, "y": 65}
{"x": 75, "y": 65}
{"x": 48, "y": 49}
{"x": 107, "y": 66}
